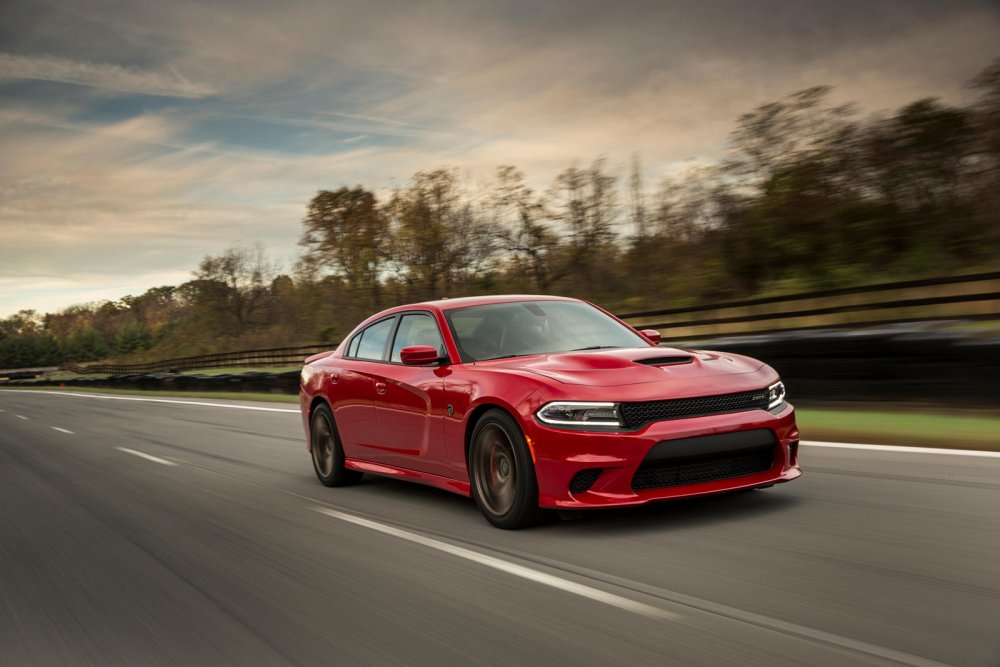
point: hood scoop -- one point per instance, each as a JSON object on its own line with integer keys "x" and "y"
{"x": 666, "y": 361}
{"x": 623, "y": 366}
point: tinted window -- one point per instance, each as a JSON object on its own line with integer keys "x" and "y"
{"x": 352, "y": 347}
{"x": 416, "y": 330}
{"x": 535, "y": 327}
{"x": 373, "y": 340}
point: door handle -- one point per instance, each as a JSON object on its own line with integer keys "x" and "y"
{"x": 380, "y": 387}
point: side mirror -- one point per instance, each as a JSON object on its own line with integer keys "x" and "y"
{"x": 419, "y": 355}
{"x": 652, "y": 335}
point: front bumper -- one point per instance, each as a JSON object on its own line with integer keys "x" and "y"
{"x": 560, "y": 454}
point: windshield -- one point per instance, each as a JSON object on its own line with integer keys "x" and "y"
{"x": 517, "y": 329}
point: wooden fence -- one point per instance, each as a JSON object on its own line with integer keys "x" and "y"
{"x": 276, "y": 356}
{"x": 973, "y": 297}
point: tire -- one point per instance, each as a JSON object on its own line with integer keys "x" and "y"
{"x": 502, "y": 474}
{"x": 327, "y": 454}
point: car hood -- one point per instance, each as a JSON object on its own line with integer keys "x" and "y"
{"x": 623, "y": 366}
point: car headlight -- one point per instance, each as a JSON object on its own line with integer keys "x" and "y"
{"x": 775, "y": 395}
{"x": 573, "y": 413}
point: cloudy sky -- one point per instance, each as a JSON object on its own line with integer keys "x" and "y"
{"x": 136, "y": 137}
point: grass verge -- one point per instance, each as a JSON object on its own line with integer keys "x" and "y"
{"x": 900, "y": 427}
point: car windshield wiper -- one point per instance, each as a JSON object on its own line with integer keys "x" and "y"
{"x": 595, "y": 347}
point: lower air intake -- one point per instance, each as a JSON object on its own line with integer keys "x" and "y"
{"x": 708, "y": 468}
{"x": 584, "y": 479}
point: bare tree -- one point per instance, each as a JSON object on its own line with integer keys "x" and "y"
{"x": 585, "y": 202}
{"x": 237, "y": 282}
{"x": 521, "y": 232}
{"x": 637, "y": 200}
{"x": 777, "y": 133}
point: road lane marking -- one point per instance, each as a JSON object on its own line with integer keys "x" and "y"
{"x": 672, "y": 597}
{"x": 148, "y": 457}
{"x": 21, "y": 417}
{"x": 508, "y": 567}
{"x": 901, "y": 449}
{"x": 733, "y": 613}
{"x": 155, "y": 400}
{"x": 62, "y": 430}
{"x": 807, "y": 443}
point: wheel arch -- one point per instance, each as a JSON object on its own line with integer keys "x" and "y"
{"x": 473, "y": 418}
{"x": 317, "y": 401}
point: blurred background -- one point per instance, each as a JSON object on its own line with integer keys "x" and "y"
{"x": 809, "y": 196}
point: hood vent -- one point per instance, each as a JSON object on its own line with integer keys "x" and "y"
{"x": 666, "y": 361}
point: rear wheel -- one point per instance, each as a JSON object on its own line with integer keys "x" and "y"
{"x": 327, "y": 454}
{"x": 501, "y": 472}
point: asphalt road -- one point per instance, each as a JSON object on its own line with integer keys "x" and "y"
{"x": 136, "y": 532}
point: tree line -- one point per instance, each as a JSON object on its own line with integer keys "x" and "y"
{"x": 809, "y": 195}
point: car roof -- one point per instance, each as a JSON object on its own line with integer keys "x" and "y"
{"x": 464, "y": 302}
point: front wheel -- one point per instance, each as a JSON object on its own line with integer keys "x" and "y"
{"x": 501, "y": 472}
{"x": 327, "y": 454}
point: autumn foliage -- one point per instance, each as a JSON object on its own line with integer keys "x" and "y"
{"x": 809, "y": 195}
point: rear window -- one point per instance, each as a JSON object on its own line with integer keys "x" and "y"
{"x": 371, "y": 341}
{"x": 352, "y": 347}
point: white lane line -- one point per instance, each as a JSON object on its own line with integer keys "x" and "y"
{"x": 508, "y": 567}
{"x": 62, "y": 430}
{"x": 148, "y": 457}
{"x": 743, "y": 616}
{"x": 21, "y": 417}
{"x": 154, "y": 400}
{"x": 901, "y": 449}
{"x": 808, "y": 443}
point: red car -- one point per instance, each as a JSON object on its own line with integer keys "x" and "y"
{"x": 532, "y": 402}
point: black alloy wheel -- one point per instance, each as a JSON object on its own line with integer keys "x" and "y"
{"x": 502, "y": 473}
{"x": 327, "y": 454}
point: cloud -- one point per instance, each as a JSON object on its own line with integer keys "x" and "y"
{"x": 99, "y": 191}
{"x": 354, "y": 124}
{"x": 100, "y": 75}
{"x": 370, "y": 119}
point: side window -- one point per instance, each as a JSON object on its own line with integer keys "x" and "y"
{"x": 352, "y": 347}
{"x": 416, "y": 329}
{"x": 372, "y": 340}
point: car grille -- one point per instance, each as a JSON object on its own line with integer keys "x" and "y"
{"x": 637, "y": 415}
{"x": 659, "y": 474}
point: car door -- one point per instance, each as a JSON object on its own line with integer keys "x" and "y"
{"x": 411, "y": 411}
{"x": 354, "y": 392}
